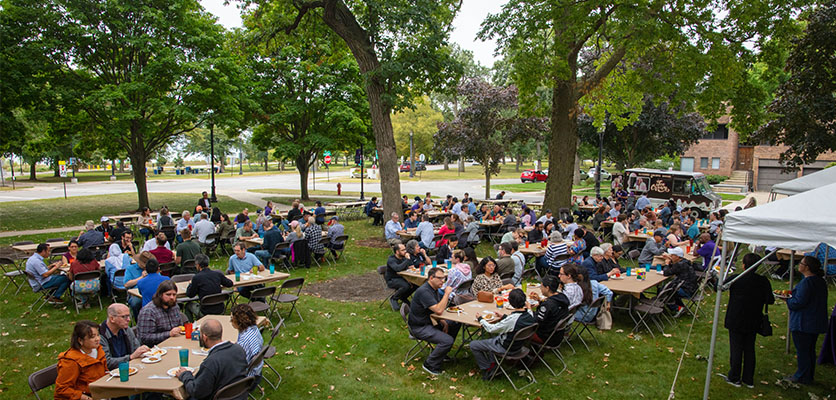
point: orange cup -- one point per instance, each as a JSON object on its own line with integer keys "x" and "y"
{"x": 526, "y": 244}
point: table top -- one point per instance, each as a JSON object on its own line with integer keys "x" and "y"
{"x": 438, "y": 213}
{"x": 632, "y": 286}
{"x": 410, "y": 233}
{"x": 467, "y": 315}
{"x": 246, "y": 280}
{"x": 533, "y": 249}
{"x": 141, "y": 382}
{"x": 131, "y": 216}
{"x": 347, "y": 204}
{"x": 590, "y": 207}
{"x": 499, "y": 201}
{"x": 30, "y": 248}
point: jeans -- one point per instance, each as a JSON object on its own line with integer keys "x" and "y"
{"x": 58, "y": 282}
{"x": 264, "y": 256}
{"x": 805, "y": 349}
{"x": 404, "y": 289}
{"x": 443, "y": 341}
{"x": 742, "y": 352}
{"x": 483, "y": 351}
{"x": 135, "y": 304}
{"x": 145, "y": 232}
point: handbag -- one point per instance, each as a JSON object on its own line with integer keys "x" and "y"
{"x": 87, "y": 286}
{"x": 484, "y": 297}
{"x": 604, "y": 319}
{"x": 766, "y": 327}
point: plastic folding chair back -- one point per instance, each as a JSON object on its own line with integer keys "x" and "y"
{"x": 188, "y": 267}
{"x": 213, "y": 299}
{"x": 257, "y": 359}
{"x": 559, "y": 329}
{"x": 465, "y": 286}
{"x": 43, "y": 379}
{"x": 282, "y": 297}
{"x": 267, "y": 293}
{"x": 53, "y": 240}
{"x": 182, "y": 277}
{"x": 522, "y": 336}
{"x": 235, "y": 390}
{"x": 11, "y": 271}
{"x": 581, "y": 327}
{"x": 167, "y": 269}
{"x": 652, "y": 309}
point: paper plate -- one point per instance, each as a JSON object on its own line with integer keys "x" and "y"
{"x": 152, "y": 359}
{"x": 173, "y": 371}
{"x": 155, "y": 352}
{"x": 131, "y": 371}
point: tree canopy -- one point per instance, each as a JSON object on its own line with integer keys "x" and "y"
{"x": 422, "y": 121}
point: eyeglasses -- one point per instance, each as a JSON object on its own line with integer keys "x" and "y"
{"x": 126, "y": 316}
{"x": 561, "y": 273}
{"x": 438, "y": 276}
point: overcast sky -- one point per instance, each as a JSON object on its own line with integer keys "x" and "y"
{"x": 466, "y": 25}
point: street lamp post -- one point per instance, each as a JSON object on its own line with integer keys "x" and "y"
{"x": 213, "y": 199}
{"x": 411, "y": 157}
{"x": 598, "y": 167}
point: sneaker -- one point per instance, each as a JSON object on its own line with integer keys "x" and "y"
{"x": 430, "y": 370}
{"x": 750, "y": 385}
{"x": 776, "y": 277}
{"x": 394, "y": 303}
{"x": 489, "y": 373}
{"x": 53, "y": 301}
{"x": 679, "y": 312}
{"x": 726, "y": 378}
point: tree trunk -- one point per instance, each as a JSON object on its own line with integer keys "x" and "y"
{"x": 519, "y": 163}
{"x": 56, "y": 172}
{"x": 138, "y": 158}
{"x": 339, "y": 18}
{"x": 487, "y": 181}
{"x": 461, "y": 164}
{"x": 266, "y": 163}
{"x": 446, "y": 164}
{"x": 563, "y": 144}
{"x": 33, "y": 175}
{"x": 539, "y": 157}
{"x": 303, "y": 166}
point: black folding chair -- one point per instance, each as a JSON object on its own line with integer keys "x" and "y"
{"x": 268, "y": 305}
{"x": 290, "y": 298}
{"x": 581, "y": 327}
{"x": 235, "y": 390}
{"x": 651, "y": 310}
{"x": 278, "y": 255}
{"x": 420, "y": 344}
{"x": 11, "y": 271}
{"x": 539, "y": 349}
{"x": 43, "y": 379}
{"x": 258, "y": 359}
{"x": 214, "y": 299}
{"x": 188, "y": 267}
{"x": 182, "y": 278}
{"x": 381, "y": 270}
{"x": 44, "y": 294}
{"x": 271, "y": 351}
{"x": 521, "y": 337}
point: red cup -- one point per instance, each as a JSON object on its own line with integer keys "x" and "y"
{"x": 526, "y": 244}
{"x": 188, "y": 326}
{"x": 687, "y": 249}
{"x": 544, "y": 242}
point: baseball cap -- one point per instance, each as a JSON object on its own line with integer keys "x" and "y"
{"x": 676, "y": 251}
{"x": 104, "y": 219}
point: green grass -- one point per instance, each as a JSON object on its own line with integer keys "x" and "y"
{"x": 54, "y": 213}
{"x": 354, "y": 350}
{"x": 732, "y": 197}
{"x": 540, "y": 186}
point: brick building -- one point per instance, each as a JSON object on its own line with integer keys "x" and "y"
{"x": 720, "y": 153}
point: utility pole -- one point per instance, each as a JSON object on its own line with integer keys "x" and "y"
{"x": 598, "y": 167}
{"x": 213, "y": 199}
{"x": 241, "y": 158}
{"x": 411, "y": 156}
{"x": 361, "y": 172}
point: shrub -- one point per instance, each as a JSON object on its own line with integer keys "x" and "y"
{"x": 715, "y": 179}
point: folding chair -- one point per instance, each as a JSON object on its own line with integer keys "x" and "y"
{"x": 43, "y": 379}
{"x": 268, "y": 306}
{"x": 563, "y": 213}
{"x": 85, "y": 276}
{"x": 258, "y": 359}
{"x": 214, "y": 299}
{"x": 289, "y": 284}
{"x": 43, "y": 292}
{"x": 324, "y": 241}
{"x": 10, "y": 271}
{"x": 652, "y": 309}
{"x": 235, "y": 390}
{"x": 53, "y": 240}
{"x": 539, "y": 349}
{"x": 344, "y": 240}
{"x": 211, "y": 244}
{"x": 521, "y": 337}
{"x": 182, "y": 277}
{"x": 279, "y": 256}
{"x": 271, "y": 351}
{"x": 419, "y": 343}
{"x": 115, "y": 290}
{"x": 580, "y": 326}
{"x": 188, "y": 268}
{"x": 167, "y": 269}
{"x": 381, "y": 270}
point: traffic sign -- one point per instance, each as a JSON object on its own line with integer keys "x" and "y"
{"x": 327, "y": 159}
{"x": 422, "y": 158}
{"x": 326, "y": 153}
{"x": 62, "y": 169}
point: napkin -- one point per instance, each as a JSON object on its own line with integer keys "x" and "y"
{"x": 173, "y": 347}
{"x": 200, "y": 352}
{"x": 159, "y": 377}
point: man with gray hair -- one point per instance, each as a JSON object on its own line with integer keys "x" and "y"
{"x": 595, "y": 267}
{"x": 203, "y": 228}
{"x": 393, "y": 227}
{"x": 184, "y": 223}
{"x": 90, "y": 236}
{"x": 225, "y": 364}
{"x": 117, "y": 338}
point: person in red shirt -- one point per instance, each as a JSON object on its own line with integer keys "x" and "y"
{"x": 84, "y": 262}
{"x": 162, "y": 254}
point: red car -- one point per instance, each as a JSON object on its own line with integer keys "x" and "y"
{"x": 531, "y": 175}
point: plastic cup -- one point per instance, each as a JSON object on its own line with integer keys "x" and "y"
{"x": 435, "y": 264}
{"x": 272, "y": 268}
{"x": 188, "y": 326}
{"x": 525, "y": 288}
{"x": 544, "y": 242}
{"x": 687, "y": 249}
{"x": 629, "y": 271}
{"x": 658, "y": 267}
{"x": 646, "y": 267}
{"x": 237, "y": 276}
{"x": 255, "y": 270}
{"x": 449, "y": 264}
{"x": 184, "y": 357}
{"x": 422, "y": 268}
{"x": 526, "y": 244}
{"x": 498, "y": 301}
{"x": 124, "y": 371}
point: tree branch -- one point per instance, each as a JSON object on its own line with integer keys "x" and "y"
{"x": 592, "y": 82}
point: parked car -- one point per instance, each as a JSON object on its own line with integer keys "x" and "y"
{"x": 605, "y": 176}
{"x": 531, "y": 175}
{"x": 583, "y": 175}
{"x": 419, "y": 166}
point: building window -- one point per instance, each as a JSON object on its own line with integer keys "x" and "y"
{"x": 721, "y": 133}
{"x": 703, "y": 162}
{"x": 715, "y": 163}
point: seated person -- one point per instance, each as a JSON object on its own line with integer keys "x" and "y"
{"x": 536, "y": 234}
{"x": 164, "y": 219}
{"x": 550, "y": 263}
{"x": 272, "y": 237}
{"x": 117, "y": 338}
{"x": 504, "y": 264}
{"x": 184, "y": 223}
{"x": 486, "y": 279}
{"x": 578, "y": 247}
{"x": 417, "y": 254}
{"x": 393, "y": 227}
{"x": 369, "y": 210}
{"x": 595, "y": 267}
{"x": 187, "y": 250}
{"x": 585, "y": 313}
{"x": 245, "y": 232}
{"x": 707, "y": 249}
{"x": 334, "y": 231}
{"x": 507, "y": 326}
{"x": 425, "y": 233}
{"x": 570, "y": 227}
{"x": 676, "y": 265}
{"x": 425, "y": 302}
{"x": 445, "y": 252}
{"x": 85, "y": 262}
{"x": 591, "y": 241}
{"x": 82, "y": 364}
{"x": 225, "y": 364}
{"x": 202, "y": 229}
{"x": 314, "y": 234}
{"x": 72, "y": 252}
{"x": 245, "y": 321}
{"x": 515, "y": 235}
{"x": 90, "y": 236}
{"x": 674, "y": 237}
{"x": 554, "y": 306}
{"x": 411, "y": 221}
{"x": 105, "y": 228}
{"x": 147, "y": 285}
{"x": 46, "y": 278}
{"x": 134, "y": 272}
{"x": 398, "y": 261}
{"x": 319, "y": 213}
{"x": 619, "y": 230}
{"x": 243, "y": 262}
{"x": 458, "y": 274}
{"x": 205, "y": 282}
{"x": 653, "y": 247}
{"x": 611, "y": 255}
{"x": 153, "y": 243}
{"x": 161, "y": 253}
{"x": 160, "y": 318}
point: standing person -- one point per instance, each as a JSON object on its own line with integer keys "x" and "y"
{"x": 206, "y": 282}
{"x": 425, "y": 302}
{"x": 204, "y": 201}
{"x": 319, "y": 213}
{"x": 82, "y": 364}
{"x": 398, "y": 261}
{"x": 507, "y": 327}
{"x": 747, "y": 298}
{"x": 160, "y": 318}
{"x": 46, "y": 277}
{"x": 117, "y": 338}
{"x": 808, "y": 317}
{"x": 225, "y": 364}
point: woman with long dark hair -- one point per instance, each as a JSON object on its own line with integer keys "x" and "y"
{"x": 82, "y": 364}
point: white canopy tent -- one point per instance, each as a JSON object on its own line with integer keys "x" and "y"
{"x": 798, "y": 223}
{"x": 807, "y": 182}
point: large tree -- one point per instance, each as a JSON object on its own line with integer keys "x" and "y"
{"x": 659, "y": 130}
{"x": 805, "y": 105}
{"x": 310, "y": 95}
{"x": 691, "y": 49}
{"x": 486, "y": 127}
{"x": 401, "y": 49}
{"x": 148, "y": 71}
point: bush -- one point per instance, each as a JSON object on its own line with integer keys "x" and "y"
{"x": 715, "y": 179}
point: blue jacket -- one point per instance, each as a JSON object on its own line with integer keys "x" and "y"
{"x": 808, "y": 306}
{"x": 590, "y": 265}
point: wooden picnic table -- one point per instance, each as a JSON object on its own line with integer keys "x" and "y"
{"x": 533, "y": 249}
{"x": 498, "y": 201}
{"x": 630, "y": 285}
{"x": 590, "y": 207}
{"x": 142, "y": 382}
{"x": 66, "y": 268}
{"x": 410, "y": 233}
{"x": 247, "y": 279}
{"x": 31, "y": 248}
{"x": 347, "y": 204}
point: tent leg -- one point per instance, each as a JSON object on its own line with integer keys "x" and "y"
{"x": 716, "y": 322}
{"x": 792, "y": 269}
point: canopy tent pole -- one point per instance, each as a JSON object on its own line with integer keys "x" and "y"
{"x": 792, "y": 269}
{"x": 716, "y": 320}
{"x": 754, "y": 266}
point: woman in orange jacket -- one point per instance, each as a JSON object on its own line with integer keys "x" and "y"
{"x": 82, "y": 364}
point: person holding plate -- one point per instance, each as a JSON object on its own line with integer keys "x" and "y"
{"x": 117, "y": 338}
{"x": 82, "y": 364}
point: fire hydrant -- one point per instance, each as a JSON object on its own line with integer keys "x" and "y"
{"x": 339, "y": 188}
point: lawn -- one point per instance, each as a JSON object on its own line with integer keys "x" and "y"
{"x": 355, "y": 350}
{"x": 53, "y": 213}
{"x": 732, "y": 197}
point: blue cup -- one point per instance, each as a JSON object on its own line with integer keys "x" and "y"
{"x": 124, "y": 371}
{"x": 449, "y": 264}
{"x": 435, "y": 264}
{"x": 272, "y": 269}
{"x": 658, "y": 267}
{"x": 184, "y": 357}
{"x": 647, "y": 268}
{"x": 237, "y": 276}
{"x": 629, "y": 271}
{"x": 422, "y": 269}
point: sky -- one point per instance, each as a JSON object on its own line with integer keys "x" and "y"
{"x": 466, "y": 24}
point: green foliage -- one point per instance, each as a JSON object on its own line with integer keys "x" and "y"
{"x": 805, "y": 105}
{"x": 715, "y": 179}
{"x": 422, "y": 121}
